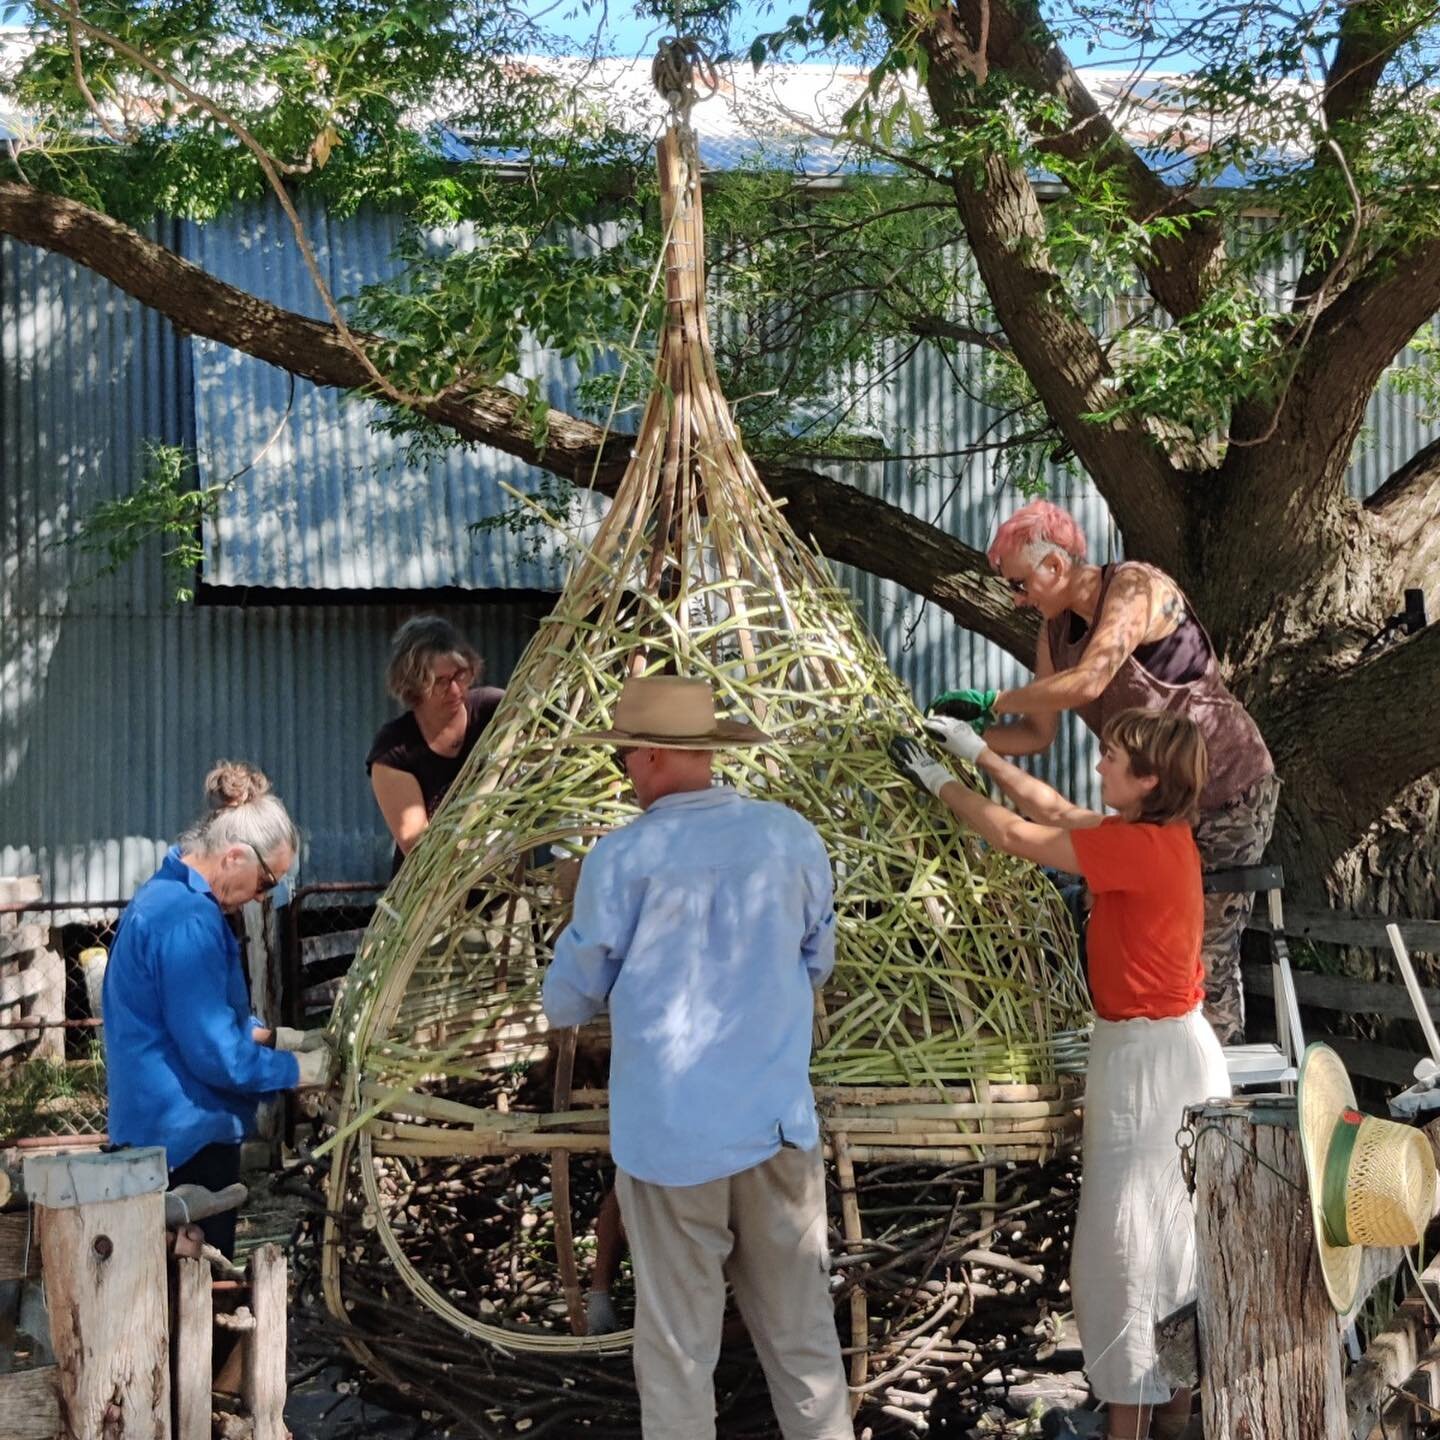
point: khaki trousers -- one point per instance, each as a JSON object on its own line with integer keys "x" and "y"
{"x": 764, "y": 1229}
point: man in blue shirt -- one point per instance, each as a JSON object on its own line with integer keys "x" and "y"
{"x": 705, "y": 925}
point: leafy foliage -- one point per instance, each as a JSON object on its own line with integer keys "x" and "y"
{"x": 498, "y": 162}
{"x": 168, "y": 503}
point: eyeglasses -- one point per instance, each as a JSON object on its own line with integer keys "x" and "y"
{"x": 1018, "y": 587}
{"x": 439, "y": 684}
{"x": 267, "y": 875}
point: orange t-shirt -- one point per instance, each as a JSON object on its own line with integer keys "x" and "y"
{"x": 1149, "y": 916}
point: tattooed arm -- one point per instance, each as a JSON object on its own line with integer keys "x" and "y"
{"x": 1028, "y": 734}
{"x": 1134, "y": 613}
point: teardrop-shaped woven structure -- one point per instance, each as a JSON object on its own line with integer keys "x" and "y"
{"x": 955, "y": 999}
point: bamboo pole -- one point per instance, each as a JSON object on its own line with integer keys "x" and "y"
{"x": 855, "y": 1238}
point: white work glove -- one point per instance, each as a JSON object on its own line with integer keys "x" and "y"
{"x": 957, "y": 737}
{"x": 317, "y": 1068}
{"x": 297, "y": 1040}
{"x": 910, "y": 759}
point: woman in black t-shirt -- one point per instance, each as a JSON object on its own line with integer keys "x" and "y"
{"x": 415, "y": 758}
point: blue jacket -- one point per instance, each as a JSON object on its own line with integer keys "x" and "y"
{"x": 182, "y": 1068}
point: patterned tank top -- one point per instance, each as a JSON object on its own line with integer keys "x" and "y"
{"x": 1237, "y": 751}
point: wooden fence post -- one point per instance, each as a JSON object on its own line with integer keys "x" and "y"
{"x": 101, "y": 1220}
{"x": 32, "y": 979}
{"x": 262, "y": 957}
{"x": 264, "y": 1380}
{"x": 1270, "y": 1356}
{"x": 194, "y": 1337}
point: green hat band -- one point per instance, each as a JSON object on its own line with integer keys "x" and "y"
{"x": 1334, "y": 1184}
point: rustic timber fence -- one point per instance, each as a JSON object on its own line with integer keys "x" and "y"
{"x": 1350, "y": 995}
{"x": 52, "y": 1072}
{"x": 52, "y": 1076}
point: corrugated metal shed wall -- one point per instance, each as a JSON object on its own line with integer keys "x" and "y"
{"x": 112, "y": 705}
{"x": 327, "y": 501}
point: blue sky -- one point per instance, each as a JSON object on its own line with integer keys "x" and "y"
{"x": 629, "y": 30}
{"x": 632, "y": 30}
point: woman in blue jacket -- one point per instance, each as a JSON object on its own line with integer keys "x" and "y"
{"x": 187, "y": 1063}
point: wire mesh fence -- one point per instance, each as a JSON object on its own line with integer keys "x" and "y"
{"x": 52, "y": 1057}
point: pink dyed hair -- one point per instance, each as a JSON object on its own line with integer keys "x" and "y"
{"x": 1039, "y": 522}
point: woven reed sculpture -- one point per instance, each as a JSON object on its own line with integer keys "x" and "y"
{"x": 470, "y": 1152}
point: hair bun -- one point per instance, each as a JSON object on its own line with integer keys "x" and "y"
{"x": 232, "y": 783}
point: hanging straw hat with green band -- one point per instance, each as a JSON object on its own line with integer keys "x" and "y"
{"x": 1372, "y": 1182}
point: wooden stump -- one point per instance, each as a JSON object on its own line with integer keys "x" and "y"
{"x": 101, "y": 1220}
{"x": 1270, "y": 1358}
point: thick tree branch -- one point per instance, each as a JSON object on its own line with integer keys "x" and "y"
{"x": 1364, "y": 48}
{"x": 937, "y": 327}
{"x": 1323, "y": 407}
{"x": 1066, "y": 364}
{"x": 847, "y": 525}
{"x": 1408, "y": 506}
{"x": 853, "y": 528}
{"x": 1363, "y": 733}
{"x": 1181, "y": 269}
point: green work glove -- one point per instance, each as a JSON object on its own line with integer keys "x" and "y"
{"x": 976, "y": 706}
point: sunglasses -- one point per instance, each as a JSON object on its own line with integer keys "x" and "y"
{"x": 267, "y": 875}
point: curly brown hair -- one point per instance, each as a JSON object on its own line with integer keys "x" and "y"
{"x": 417, "y": 645}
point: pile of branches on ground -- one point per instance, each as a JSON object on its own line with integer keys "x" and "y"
{"x": 963, "y": 1291}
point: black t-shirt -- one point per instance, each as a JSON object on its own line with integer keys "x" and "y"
{"x": 400, "y": 745}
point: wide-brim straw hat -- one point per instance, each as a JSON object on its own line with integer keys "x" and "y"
{"x": 1371, "y": 1182}
{"x": 672, "y": 712}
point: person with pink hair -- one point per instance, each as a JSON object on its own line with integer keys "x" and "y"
{"x": 1116, "y": 637}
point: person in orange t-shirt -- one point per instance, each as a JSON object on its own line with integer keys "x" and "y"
{"x": 1152, "y": 1052}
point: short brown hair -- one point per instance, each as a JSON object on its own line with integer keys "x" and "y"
{"x": 1169, "y": 747}
{"x": 418, "y": 644}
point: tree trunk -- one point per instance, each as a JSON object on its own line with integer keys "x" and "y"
{"x": 1270, "y": 1361}
{"x": 1357, "y": 825}
{"x": 102, "y": 1249}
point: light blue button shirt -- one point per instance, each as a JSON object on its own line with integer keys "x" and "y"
{"x": 705, "y": 924}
